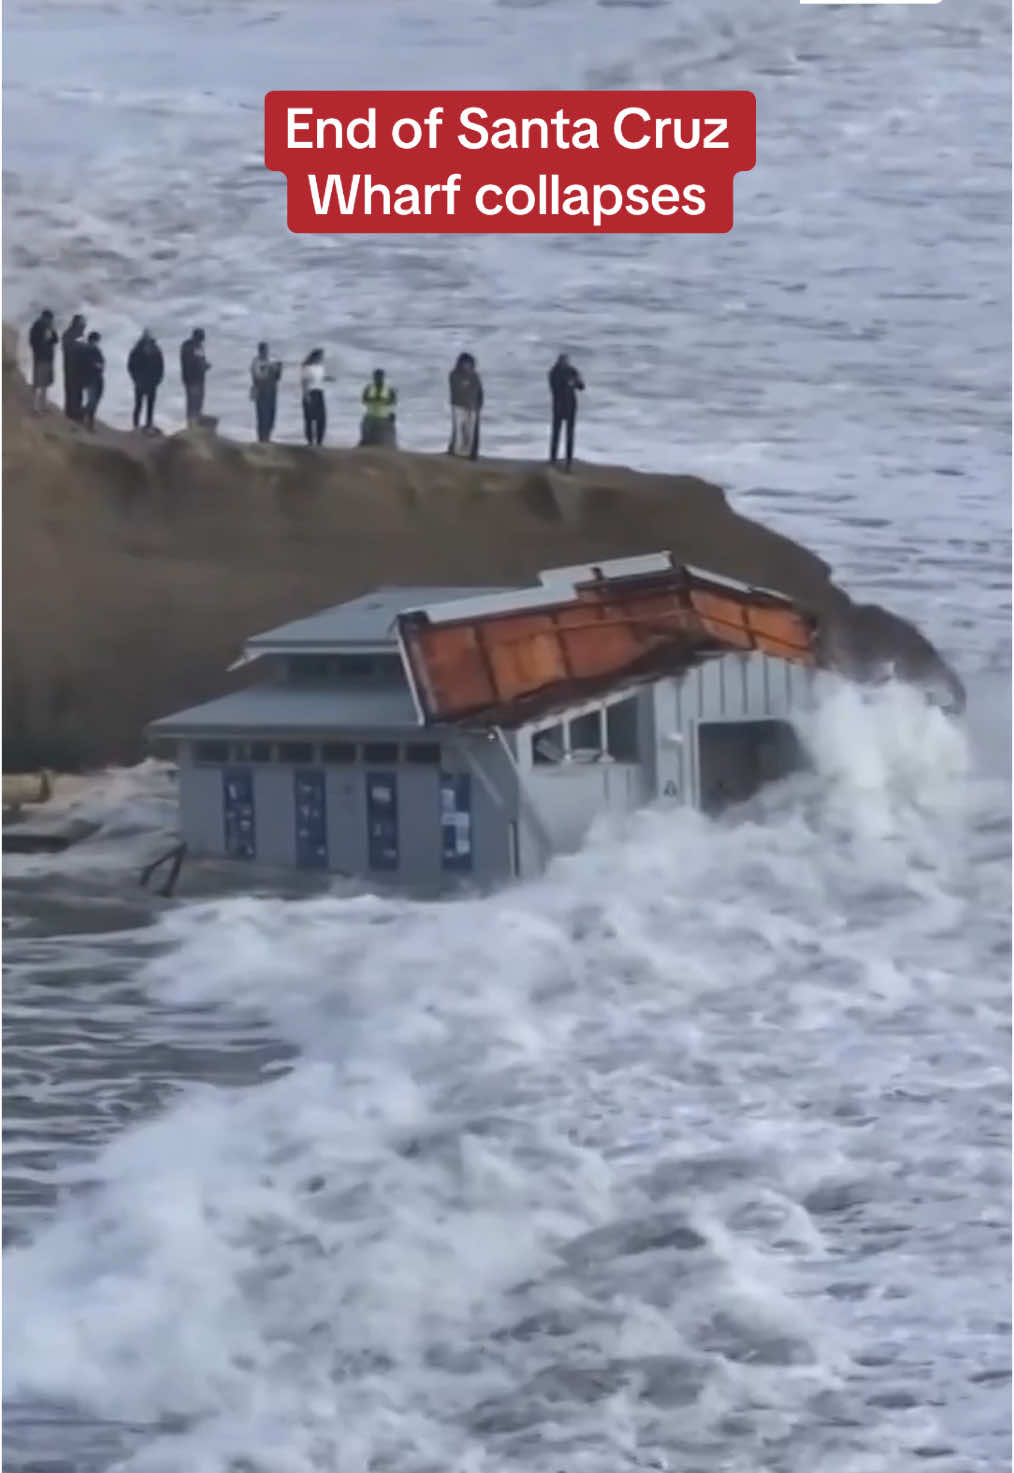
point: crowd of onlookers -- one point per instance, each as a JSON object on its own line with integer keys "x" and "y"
{"x": 84, "y": 375}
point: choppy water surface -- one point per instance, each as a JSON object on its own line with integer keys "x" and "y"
{"x": 694, "y": 1156}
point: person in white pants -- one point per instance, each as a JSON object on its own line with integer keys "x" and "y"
{"x": 466, "y": 407}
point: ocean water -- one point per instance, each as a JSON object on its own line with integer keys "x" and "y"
{"x": 695, "y": 1156}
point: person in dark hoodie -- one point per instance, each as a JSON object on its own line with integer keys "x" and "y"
{"x": 194, "y": 367}
{"x": 564, "y": 385}
{"x": 91, "y": 365}
{"x": 42, "y": 339}
{"x": 71, "y": 342}
{"x": 466, "y": 407}
{"x": 146, "y": 367}
{"x": 265, "y": 372}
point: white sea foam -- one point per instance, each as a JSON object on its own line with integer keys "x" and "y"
{"x": 587, "y": 1171}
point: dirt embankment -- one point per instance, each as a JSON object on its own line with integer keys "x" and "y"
{"x": 134, "y": 568}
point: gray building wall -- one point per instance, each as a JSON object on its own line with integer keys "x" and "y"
{"x": 493, "y": 795}
{"x": 569, "y": 797}
{"x": 274, "y": 813}
{"x": 559, "y": 801}
{"x": 522, "y": 811}
{"x": 202, "y": 818}
{"x": 732, "y": 688}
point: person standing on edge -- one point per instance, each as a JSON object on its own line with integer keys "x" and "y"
{"x": 264, "y": 375}
{"x": 564, "y": 384}
{"x": 93, "y": 376}
{"x": 42, "y": 339}
{"x": 466, "y": 406}
{"x": 71, "y": 342}
{"x": 193, "y": 369}
{"x": 379, "y": 401}
{"x": 146, "y": 367}
{"x": 312, "y": 379}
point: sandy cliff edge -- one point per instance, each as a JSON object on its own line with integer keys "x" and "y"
{"x": 135, "y": 567}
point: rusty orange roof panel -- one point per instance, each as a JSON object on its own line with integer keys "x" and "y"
{"x": 494, "y": 663}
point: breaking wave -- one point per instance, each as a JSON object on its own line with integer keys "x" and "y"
{"x": 648, "y": 1163}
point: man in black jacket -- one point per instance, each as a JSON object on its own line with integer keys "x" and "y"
{"x": 564, "y": 385}
{"x": 193, "y": 369}
{"x": 73, "y": 390}
{"x": 91, "y": 369}
{"x": 466, "y": 407}
{"x": 265, "y": 372}
{"x": 146, "y": 367}
{"x": 42, "y": 339}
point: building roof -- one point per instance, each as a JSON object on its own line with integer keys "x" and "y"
{"x": 443, "y": 637}
{"x": 584, "y": 631}
{"x": 367, "y": 622}
{"x": 285, "y": 708}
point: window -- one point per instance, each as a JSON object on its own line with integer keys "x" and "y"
{"x": 338, "y": 754}
{"x": 547, "y": 745}
{"x": 368, "y": 667}
{"x": 586, "y": 734}
{"x": 380, "y": 752}
{"x": 319, "y": 669}
{"x": 621, "y": 730}
{"x": 310, "y": 668}
{"x": 251, "y": 752}
{"x": 355, "y": 665}
{"x": 295, "y": 751}
{"x": 211, "y": 752}
{"x": 425, "y": 754}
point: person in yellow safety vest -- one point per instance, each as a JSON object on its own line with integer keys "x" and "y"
{"x": 379, "y": 401}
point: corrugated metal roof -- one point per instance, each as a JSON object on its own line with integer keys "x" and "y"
{"x": 586, "y": 630}
{"x": 369, "y": 622}
{"x": 366, "y": 621}
{"x": 282, "y": 708}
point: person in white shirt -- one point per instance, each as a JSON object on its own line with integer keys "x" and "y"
{"x": 312, "y": 380}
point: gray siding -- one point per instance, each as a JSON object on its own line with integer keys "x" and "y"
{"x": 741, "y": 688}
{"x": 493, "y": 793}
{"x": 275, "y": 815}
{"x": 201, "y": 812}
{"x": 569, "y": 797}
{"x": 346, "y": 819}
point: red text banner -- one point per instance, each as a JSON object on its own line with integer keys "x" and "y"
{"x": 510, "y": 162}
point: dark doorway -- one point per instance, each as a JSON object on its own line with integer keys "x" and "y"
{"x": 737, "y": 758}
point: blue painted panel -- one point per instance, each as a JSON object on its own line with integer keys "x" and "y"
{"x": 238, "y": 812}
{"x": 382, "y": 819}
{"x": 456, "y": 821}
{"x": 310, "y": 802}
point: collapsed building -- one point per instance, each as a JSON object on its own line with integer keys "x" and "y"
{"x": 429, "y": 736}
